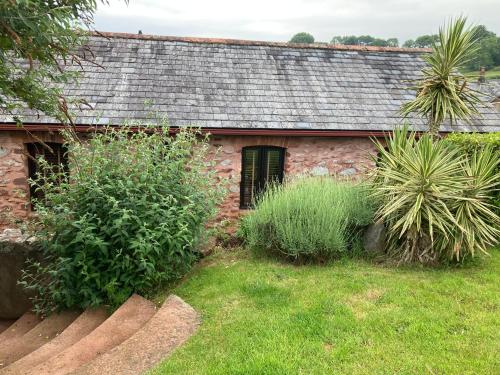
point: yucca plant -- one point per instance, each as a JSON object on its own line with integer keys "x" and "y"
{"x": 443, "y": 92}
{"x": 474, "y": 213}
{"x": 434, "y": 200}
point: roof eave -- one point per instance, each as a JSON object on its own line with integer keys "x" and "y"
{"x": 212, "y": 131}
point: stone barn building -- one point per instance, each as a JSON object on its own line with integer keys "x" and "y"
{"x": 274, "y": 109}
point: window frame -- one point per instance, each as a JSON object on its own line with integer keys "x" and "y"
{"x": 263, "y": 157}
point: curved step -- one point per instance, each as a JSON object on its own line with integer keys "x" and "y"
{"x": 41, "y": 334}
{"x": 170, "y": 327}
{"x": 20, "y": 327}
{"x": 89, "y": 320}
{"x": 125, "y": 321}
{"x": 5, "y": 323}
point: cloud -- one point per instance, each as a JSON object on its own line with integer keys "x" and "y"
{"x": 280, "y": 19}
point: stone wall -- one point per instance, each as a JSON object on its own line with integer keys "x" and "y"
{"x": 304, "y": 155}
{"x": 14, "y": 189}
{"x": 342, "y": 156}
{"x": 14, "y": 252}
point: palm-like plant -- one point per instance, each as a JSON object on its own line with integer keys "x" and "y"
{"x": 443, "y": 92}
{"x": 477, "y": 220}
{"x": 434, "y": 199}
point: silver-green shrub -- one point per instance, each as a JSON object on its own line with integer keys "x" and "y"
{"x": 308, "y": 218}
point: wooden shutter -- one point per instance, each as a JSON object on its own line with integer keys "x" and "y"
{"x": 273, "y": 165}
{"x": 260, "y": 166}
{"x": 250, "y": 175}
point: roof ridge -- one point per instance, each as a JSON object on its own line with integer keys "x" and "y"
{"x": 242, "y": 42}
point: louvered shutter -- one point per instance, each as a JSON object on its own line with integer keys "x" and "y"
{"x": 260, "y": 166}
{"x": 273, "y": 165}
{"x": 250, "y": 175}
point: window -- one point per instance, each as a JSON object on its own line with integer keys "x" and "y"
{"x": 260, "y": 165}
{"x": 55, "y": 156}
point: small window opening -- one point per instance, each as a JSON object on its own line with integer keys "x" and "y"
{"x": 260, "y": 165}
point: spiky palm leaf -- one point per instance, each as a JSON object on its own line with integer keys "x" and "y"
{"x": 443, "y": 92}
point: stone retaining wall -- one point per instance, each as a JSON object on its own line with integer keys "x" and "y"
{"x": 14, "y": 252}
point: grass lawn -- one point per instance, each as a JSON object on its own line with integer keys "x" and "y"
{"x": 265, "y": 317}
{"x": 493, "y": 73}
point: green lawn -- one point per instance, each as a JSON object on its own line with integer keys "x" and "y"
{"x": 351, "y": 317}
{"x": 493, "y": 73}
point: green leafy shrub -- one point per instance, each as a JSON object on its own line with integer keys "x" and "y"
{"x": 126, "y": 218}
{"x": 309, "y": 218}
{"x": 473, "y": 141}
{"x": 435, "y": 199}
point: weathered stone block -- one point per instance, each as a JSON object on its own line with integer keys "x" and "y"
{"x": 320, "y": 171}
{"x": 20, "y": 181}
{"x": 234, "y": 188}
{"x": 4, "y": 151}
{"x": 348, "y": 172}
{"x": 374, "y": 238}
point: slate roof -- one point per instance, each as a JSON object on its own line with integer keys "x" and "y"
{"x": 491, "y": 88}
{"x": 216, "y": 83}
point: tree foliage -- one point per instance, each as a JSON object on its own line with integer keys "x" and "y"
{"x": 488, "y": 54}
{"x": 488, "y": 48}
{"x": 302, "y": 37}
{"x": 443, "y": 92}
{"x": 365, "y": 40}
{"x": 423, "y": 41}
{"x": 41, "y": 45}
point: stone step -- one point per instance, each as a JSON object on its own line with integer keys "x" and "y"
{"x": 5, "y": 323}
{"x": 89, "y": 320}
{"x": 39, "y": 335}
{"x": 171, "y": 326}
{"x": 20, "y": 327}
{"x": 124, "y": 322}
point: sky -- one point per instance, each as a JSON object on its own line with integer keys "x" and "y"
{"x": 278, "y": 20}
